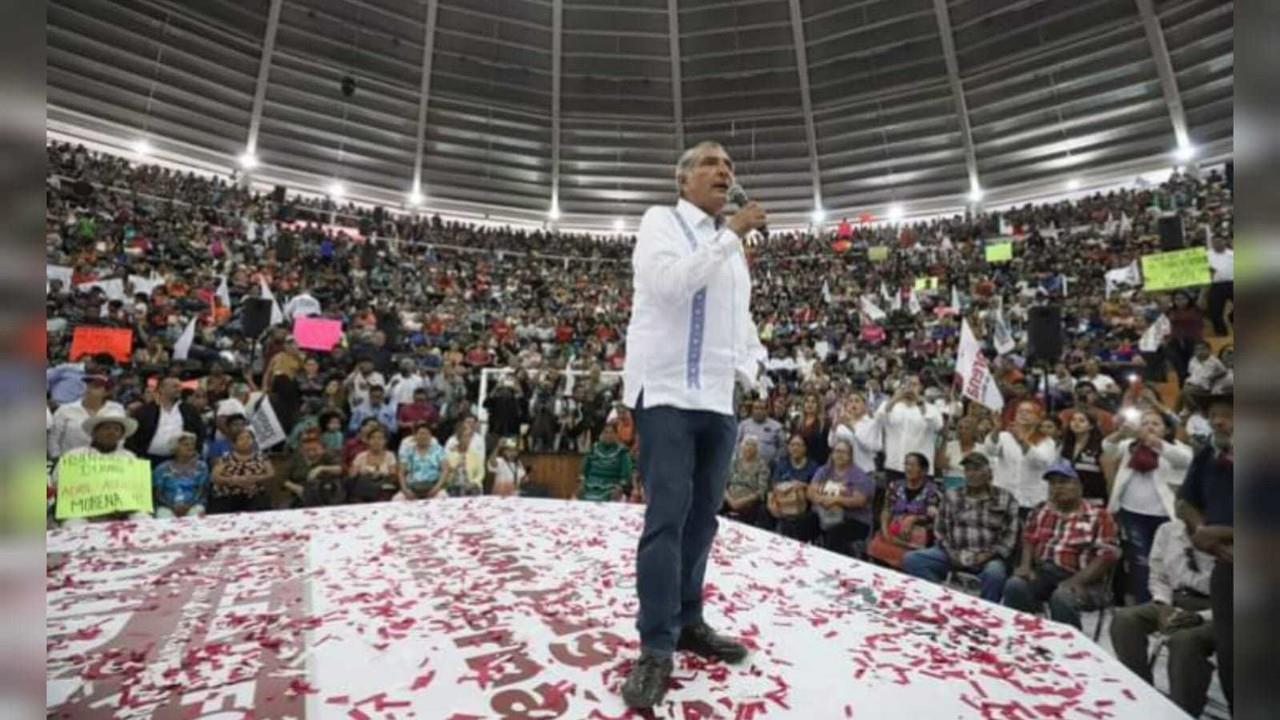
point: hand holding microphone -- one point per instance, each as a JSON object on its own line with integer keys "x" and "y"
{"x": 750, "y": 215}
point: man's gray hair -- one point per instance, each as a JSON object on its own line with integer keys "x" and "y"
{"x": 685, "y": 165}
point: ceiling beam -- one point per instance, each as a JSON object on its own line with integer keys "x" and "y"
{"x": 806, "y": 105}
{"x": 677, "y": 94}
{"x": 424, "y": 91}
{"x": 1164, "y": 68}
{"x": 557, "y": 43}
{"x": 957, "y": 90}
{"x": 264, "y": 70}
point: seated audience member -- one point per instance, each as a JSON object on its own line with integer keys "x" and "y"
{"x": 376, "y": 407}
{"x": 976, "y": 529}
{"x": 180, "y": 485}
{"x": 1149, "y": 467}
{"x": 1206, "y": 505}
{"x": 421, "y": 462}
{"x": 950, "y": 471}
{"x": 331, "y": 435}
{"x": 358, "y": 443}
{"x": 788, "y": 500}
{"x": 911, "y": 425}
{"x": 748, "y": 484}
{"x": 606, "y": 470}
{"x": 1179, "y": 610}
{"x": 464, "y": 460}
{"x": 855, "y": 423}
{"x": 1088, "y": 401}
{"x": 910, "y": 506}
{"x": 841, "y": 494}
{"x": 767, "y": 431}
{"x": 162, "y": 420}
{"x": 315, "y": 475}
{"x": 220, "y": 446}
{"x": 509, "y": 474}
{"x": 475, "y": 445}
{"x": 68, "y": 420}
{"x": 240, "y": 478}
{"x": 375, "y": 474}
{"x": 417, "y": 412}
{"x": 107, "y": 432}
{"x": 1069, "y": 545}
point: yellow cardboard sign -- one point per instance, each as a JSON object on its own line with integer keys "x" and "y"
{"x": 1180, "y": 268}
{"x": 878, "y": 253}
{"x": 926, "y": 283}
{"x": 1000, "y": 252}
{"x": 90, "y": 485}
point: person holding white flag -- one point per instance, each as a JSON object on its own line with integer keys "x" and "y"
{"x": 976, "y": 379}
{"x": 182, "y": 348}
{"x": 871, "y": 310}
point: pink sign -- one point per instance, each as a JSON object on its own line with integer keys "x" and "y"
{"x": 313, "y": 333}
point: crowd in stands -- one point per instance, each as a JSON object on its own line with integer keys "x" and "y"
{"x": 1099, "y": 482}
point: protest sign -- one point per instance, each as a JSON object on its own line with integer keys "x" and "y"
{"x": 90, "y": 484}
{"x": 90, "y": 340}
{"x": 1177, "y": 269}
{"x": 1000, "y": 252}
{"x": 314, "y": 333}
{"x": 878, "y": 253}
{"x": 926, "y": 283}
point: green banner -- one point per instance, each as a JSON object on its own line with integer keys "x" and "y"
{"x": 90, "y": 485}
{"x": 878, "y": 253}
{"x": 1177, "y": 269}
{"x": 1001, "y": 252}
{"x": 926, "y": 283}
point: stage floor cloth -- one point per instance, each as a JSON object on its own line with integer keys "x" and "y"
{"x": 519, "y": 608}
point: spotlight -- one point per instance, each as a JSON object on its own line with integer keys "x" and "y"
{"x": 819, "y": 216}
{"x": 618, "y": 225}
{"x": 554, "y": 213}
{"x": 975, "y": 194}
{"x": 337, "y": 189}
{"x": 1073, "y": 184}
{"x": 895, "y": 213}
{"x": 1184, "y": 153}
{"x": 415, "y": 198}
{"x": 142, "y": 147}
{"x": 248, "y": 160}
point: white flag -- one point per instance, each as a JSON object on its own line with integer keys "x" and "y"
{"x": 976, "y": 381}
{"x": 1127, "y": 275}
{"x": 1151, "y": 339}
{"x": 1000, "y": 334}
{"x": 913, "y": 303}
{"x": 826, "y": 292}
{"x": 1125, "y": 223}
{"x": 183, "y": 346}
{"x": 895, "y": 302}
{"x": 871, "y": 310}
{"x": 266, "y": 427}
{"x": 277, "y": 316}
{"x": 223, "y": 293}
{"x": 955, "y": 299}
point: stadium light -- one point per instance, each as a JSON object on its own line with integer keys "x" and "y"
{"x": 337, "y": 190}
{"x": 1073, "y": 184}
{"x": 618, "y": 225}
{"x": 975, "y": 194}
{"x": 895, "y": 213}
{"x": 248, "y": 160}
{"x": 554, "y": 213}
{"x": 142, "y": 147}
{"x": 415, "y": 198}
{"x": 819, "y": 216}
{"x": 1185, "y": 152}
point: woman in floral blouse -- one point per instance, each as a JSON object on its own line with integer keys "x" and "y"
{"x": 910, "y": 506}
{"x": 240, "y": 478}
{"x": 181, "y": 484}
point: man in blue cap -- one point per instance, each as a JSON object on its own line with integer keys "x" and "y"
{"x": 1068, "y": 546}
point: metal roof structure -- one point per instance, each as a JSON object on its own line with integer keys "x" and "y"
{"x": 522, "y": 108}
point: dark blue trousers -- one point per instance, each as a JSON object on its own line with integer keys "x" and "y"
{"x": 684, "y": 462}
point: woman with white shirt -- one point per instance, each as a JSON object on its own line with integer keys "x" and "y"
{"x": 910, "y": 425}
{"x": 854, "y": 424}
{"x": 1021, "y": 456}
{"x": 1148, "y": 467}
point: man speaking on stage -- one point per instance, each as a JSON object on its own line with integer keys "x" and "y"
{"x": 690, "y": 334}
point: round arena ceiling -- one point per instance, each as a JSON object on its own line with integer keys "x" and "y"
{"x": 523, "y": 107}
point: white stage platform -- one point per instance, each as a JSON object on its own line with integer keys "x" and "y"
{"x": 516, "y": 608}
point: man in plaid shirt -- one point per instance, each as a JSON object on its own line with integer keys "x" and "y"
{"x": 1068, "y": 546}
{"x": 977, "y": 529}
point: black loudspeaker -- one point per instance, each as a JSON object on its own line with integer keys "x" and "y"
{"x": 256, "y": 317}
{"x": 348, "y": 86}
{"x": 1044, "y": 333}
{"x": 1171, "y": 233}
{"x": 284, "y": 247}
{"x": 378, "y": 215}
{"x": 1231, "y": 175}
{"x": 277, "y": 195}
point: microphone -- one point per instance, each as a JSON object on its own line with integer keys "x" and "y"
{"x": 738, "y": 196}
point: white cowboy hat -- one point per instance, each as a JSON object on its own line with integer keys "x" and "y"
{"x": 106, "y": 416}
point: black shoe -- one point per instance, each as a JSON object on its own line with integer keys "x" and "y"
{"x": 700, "y": 639}
{"x": 647, "y": 683}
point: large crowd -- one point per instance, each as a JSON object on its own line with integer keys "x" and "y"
{"x": 1099, "y": 483}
